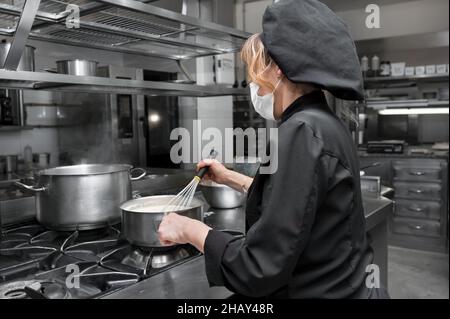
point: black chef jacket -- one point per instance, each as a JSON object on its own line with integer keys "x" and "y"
{"x": 306, "y": 233}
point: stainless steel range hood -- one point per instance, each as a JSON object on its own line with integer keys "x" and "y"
{"x": 127, "y": 26}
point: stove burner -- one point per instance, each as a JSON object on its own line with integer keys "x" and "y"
{"x": 34, "y": 262}
{"x": 94, "y": 280}
{"x": 146, "y": 261}
{"x": 33, "y": 289}
{"x": 160, "y": 257}
{"x": 16, "y": 290}
{"x": 53, "y": 290}
{"x": 165, "y": 259}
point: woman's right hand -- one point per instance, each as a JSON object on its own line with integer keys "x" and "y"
{"x": 217, "y": 172}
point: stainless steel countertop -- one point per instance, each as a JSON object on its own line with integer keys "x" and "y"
{"x": 185, "y": 281}
{"x": 188, "y": 280}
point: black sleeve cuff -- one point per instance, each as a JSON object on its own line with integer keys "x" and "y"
{"x": 215, "y": 245}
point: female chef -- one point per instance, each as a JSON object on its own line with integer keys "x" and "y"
{"x": 305, "y": 223}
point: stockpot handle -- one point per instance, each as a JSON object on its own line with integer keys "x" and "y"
{"x": 144, "y": 172}
{"x": 31, "y": 188}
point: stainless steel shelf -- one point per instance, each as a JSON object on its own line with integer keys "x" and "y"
{"x": 127, "y": 26}
{"x": 12, "y": 128}
{"x": 438, "y": 103}
{"x": 94, "y": 84}
{"x": 425, "y": 77}
{"x": 418, "y": 103}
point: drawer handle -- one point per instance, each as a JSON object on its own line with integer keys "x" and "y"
{"x": 417, "y": 173}
{"x": 416, "y": 191}
{"x": 416, "y": 209}
{"x": 416, "y": 227}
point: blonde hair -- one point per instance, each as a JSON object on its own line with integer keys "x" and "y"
{"x": 256, "y": 57}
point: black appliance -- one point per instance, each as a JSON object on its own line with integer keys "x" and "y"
{"x": 386, "y": 146}
{"x": 6, "y": 111}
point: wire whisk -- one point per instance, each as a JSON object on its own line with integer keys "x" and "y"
{"x": 184, "y": 198}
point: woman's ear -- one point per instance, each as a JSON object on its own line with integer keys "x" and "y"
{"x": 279, "y": 72}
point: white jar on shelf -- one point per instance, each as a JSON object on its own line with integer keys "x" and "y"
{"x": 420, "y": 70}
{"x": 398, "y": 69}
{"x": 441, "y": 69}
{"x": 409, "y": 71}
{"x": 431, "y": 69}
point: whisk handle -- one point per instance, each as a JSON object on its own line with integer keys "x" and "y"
{"x": 202, "y": 171}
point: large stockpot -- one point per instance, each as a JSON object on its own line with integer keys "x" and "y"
{"x": 81, "y": 196}
{"x": 26, "y": 61}
{"x": 141, "y": 218}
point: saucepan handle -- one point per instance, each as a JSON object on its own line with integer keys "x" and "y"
{"x": 144, "y": 172}
{"x": 31, "y": 188}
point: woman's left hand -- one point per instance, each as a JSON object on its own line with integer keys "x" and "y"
{"x": 177, "y": 229}
{"x": 172, "y": 229}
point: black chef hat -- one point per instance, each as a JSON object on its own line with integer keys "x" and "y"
{"x": 311, "y": 44}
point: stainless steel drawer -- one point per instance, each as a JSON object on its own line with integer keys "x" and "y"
{"x": 409, "y": 226}
{"x": 417, "y": 173}
{"x": 425, "y": 191}
{"x": 418, "y": 209}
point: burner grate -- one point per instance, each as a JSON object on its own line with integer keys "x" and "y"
{"x": 147, "y": 262}
{"x": 34, "y": 262}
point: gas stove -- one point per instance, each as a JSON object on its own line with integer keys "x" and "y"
{"x": 39, "y": 263}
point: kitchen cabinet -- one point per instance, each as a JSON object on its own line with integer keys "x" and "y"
{"x": 420, "y": 215}
{"x": 421, "y": 204}
{"x": 423, "y": 209}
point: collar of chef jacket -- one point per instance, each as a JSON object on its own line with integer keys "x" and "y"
{"x": 314, "y": 99}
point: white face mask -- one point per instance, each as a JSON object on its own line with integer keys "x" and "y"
{"x": 264, "y": 105}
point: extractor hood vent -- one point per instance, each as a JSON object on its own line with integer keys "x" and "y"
{"x": 128, "y": 26}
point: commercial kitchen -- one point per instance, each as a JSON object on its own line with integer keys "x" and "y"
{"x": 92, "y": 91}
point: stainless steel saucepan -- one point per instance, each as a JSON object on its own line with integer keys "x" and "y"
{"x": 77, "y": 67}
{"x": 141, "y": 218}
{"x": 82, "y": 196}
{"x": 221, "y": 196}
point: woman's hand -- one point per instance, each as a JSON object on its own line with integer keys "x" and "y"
{"x": 177, "y": 229}
{"x": 217, "y": 172}
{"x": 222, "y": 175}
